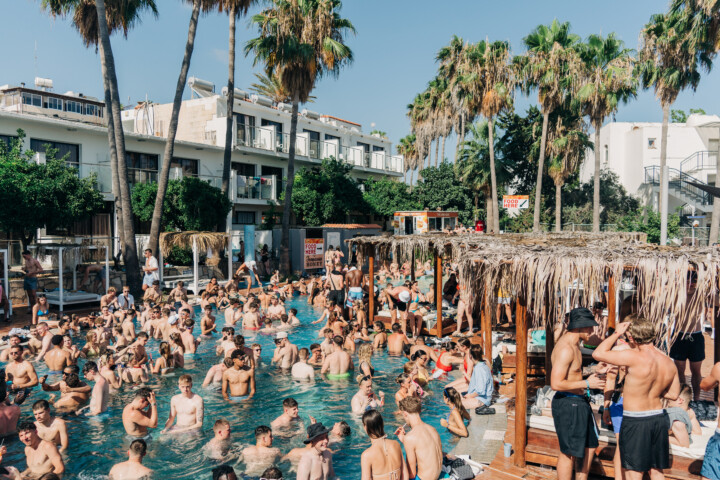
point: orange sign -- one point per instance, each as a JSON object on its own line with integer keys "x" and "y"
{"x": 516, "y": 201}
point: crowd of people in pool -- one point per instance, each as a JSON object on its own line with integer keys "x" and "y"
{"x": 116, "y": 356}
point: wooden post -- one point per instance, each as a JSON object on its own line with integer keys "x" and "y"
{"x": 549, "y": 341}
{"x": 486, "y": 326}
{"x": 412, "y": 266}
{"x": 612, "y": 303}
{"x": 521, "y": 382}
{"x": 438, "y": 295}
{"x": 371, "y": 273}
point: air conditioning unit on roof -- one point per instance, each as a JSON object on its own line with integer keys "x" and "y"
{"x": 260, "y": 100}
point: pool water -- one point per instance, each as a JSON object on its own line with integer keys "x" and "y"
{"x": 97, "y": 444}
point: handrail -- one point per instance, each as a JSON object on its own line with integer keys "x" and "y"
{"x": 698, "y": 160}
{"x": 679, "y": 181}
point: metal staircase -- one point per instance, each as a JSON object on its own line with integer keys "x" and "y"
{"x": 699, "y": 161}
{"x": 679, "y": 187}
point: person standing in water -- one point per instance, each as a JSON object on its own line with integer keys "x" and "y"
{"x": 384, "y": 458}
{"x": 187, "y": 407}
{"x": 423, "y": 447}
{"x": 132, "y": 469}
{"x": 316, "y": 463}
{"x": 100, "y": 392}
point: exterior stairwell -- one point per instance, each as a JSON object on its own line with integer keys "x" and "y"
{"x": 679, "y": 188}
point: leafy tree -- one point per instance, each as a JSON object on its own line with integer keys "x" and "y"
{"x": 614, "y": 199}
{"x": 50, "y": 194}
{"x": 648, "y": 221}
{"x": 678, "y": 116}
{"x": 440, "y": 188}
{"x": 386, "y": 197}
{"x": 190, "y": 204}
{"x": 326, "y": 194}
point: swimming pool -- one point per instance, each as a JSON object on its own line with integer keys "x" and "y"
{"x": 96, "y": 445}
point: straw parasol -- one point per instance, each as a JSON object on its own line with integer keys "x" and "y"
{"x": 213, "y": 241}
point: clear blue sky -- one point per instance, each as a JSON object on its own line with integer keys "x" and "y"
{"x": 394, "y": 50}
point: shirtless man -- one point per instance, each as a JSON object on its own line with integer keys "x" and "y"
{"x": 52, "y": 429}
{"x": 187, "y": 407}
{"x": 250, "y": 318}
{"x": 150, "y": 270}
{"x": 176, "y": 294}
{"x": 189, "y": 341}
{"x": 153, "y": 294}
{"x": 57, "y": 358}
{"x": 326, "y": 346}
{"x": 19, "y": 371}
{"x": 316, "y": 355}
{"x": 399, "y": 298}
{"x": 355, "y": 282}
{"x": 690, "y": 346}
{"x": 42, "y": 456}
{"x": 261, "y": 455}
{"x": 132, "y": 469}
{"x": 246, "y": 271}
{"x": 397, "y": 340}
{"x": 14, "y": 340}
{"x": 275, "y": 310}
{"x": 207, "y": 323}
{"x": 336, "y": 282}
{"x": 290, "y": 414}
{"x": 264, "y": 299}
{"x": 31, "y": 268}
{"x": 301, "y": 370}
{"x": 73, "y": 395}
{"x": 286, "y": 354}
{"x": 218, "y": 447}
{"x": 109, "y": 300}
{"x": 234, "y": 314}
{"x": 215, "y": 373}
{"x": 651, "y": 377}
{"x": 140, "y": 414}
{"x": 44, "y": 335}
{"x": 365, "y": 399}
{"x": 9, "y": 413}
{"x": 423, "y": 447}
{"x": 128, "y": 325}
{"x": 101, "y": 390}
{"x": 238, "y": 382}
{"x": 316, "y": 463}
{"x": 338, "y": 364}
{"x": 576, "y": 433}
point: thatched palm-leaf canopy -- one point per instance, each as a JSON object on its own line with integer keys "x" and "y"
{"x": 213, "y": 241}
{"x": 545, "y": 269}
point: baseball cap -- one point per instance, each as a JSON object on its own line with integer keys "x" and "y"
{"x": 404, "y": 296}
{"x": 281, "y": 335}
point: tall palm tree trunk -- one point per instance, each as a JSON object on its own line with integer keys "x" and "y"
{"x": 558, "y": 207}
{"x": 285, "y": 239}
{"x": 663, "y": 161}
{"x": 541, "y": 166}
{"x": 715, "y": 222}
{"x": 130, "y": 259}
{"x": 493, "y": 179}
{"x": 442, "y": 158}
{"x": 230, "y": 104}
{"x": 596, "y": 180}
{"x": 489, "y": 215}
{"x": 172, "y": 130}
{"x": 437, "y": 151}
{"x": 461, "y": 136}
{"x": 113, "y": 164}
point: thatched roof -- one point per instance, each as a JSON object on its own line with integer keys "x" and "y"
{"x": 544, "y": 268}
{"x": 214, "y": 241}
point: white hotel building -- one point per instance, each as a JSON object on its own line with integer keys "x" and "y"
{"x": 76, "y": 124}
{"x": 632, "y": 151}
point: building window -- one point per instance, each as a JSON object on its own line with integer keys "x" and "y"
{"x": 73, "y": 151}
{"x": 278, "y": 172}
{"x": 93, "y": 110}
{"x": 244, "y": 169}
{"x": 32, "y": 99}
{"x": 607, "y": 154}
{"x": 244, "y": 218}
{"x": 54, "y": 103}
{"x": 245, "y": 129}
{"x": 378, "y": 149}
{"x": 74, "y": 107}
{"x": 278, "y": 129}
{"x": 314, "y": 138}
{"x": 652, "y": 144}
{"x": 189, "y": 166}
{"x": 331, "y": 137}
{"x": 143, "y": 161}
{"x": 7, "y": 139}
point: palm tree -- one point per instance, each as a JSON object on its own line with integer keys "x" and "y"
{"x": 551, "y": 65}
{"x": 608, "y": 79}
{"x": 668, "y": 66}
{"x": 119, "y": 15}
{"x": 172, "y": 126}
{"x": 450, "y": 59}
{"x": 301, "y": 40}
{"x": 234, "y": 9}
{"x": 497, "y": 85}
{"x": 419, "y": 113}
{"x": 567, "y": 144}
{"x": 406, "y": 148}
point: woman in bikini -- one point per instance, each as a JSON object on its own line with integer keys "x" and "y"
{"x": 420, "y": 358}
{"x": 177, "y": 350}
{"x": 365, "y": 353}
{"x": 446, "y": 359}
{"x": 462, "y": 384}
{"x": 415, "y": 298}
{"x": 91, "y": 348}
{"x": 455, "y": 420}
{"x": 41, "y": 310}
{"x": 166, "y": 361}
{"x": 383, "y": 460}
{"x": 408, "y": 388}
{"x": 212, "y": 291}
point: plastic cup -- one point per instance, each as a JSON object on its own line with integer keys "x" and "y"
{"x": 508, "y": 449}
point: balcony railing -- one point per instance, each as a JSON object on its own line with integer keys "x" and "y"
{"x": 699, "y": 161}
{"x": 266, "y": 138}
{"x": 256, "y": 188}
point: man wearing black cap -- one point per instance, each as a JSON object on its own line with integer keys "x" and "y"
{"x": 316, "y": 464}
{"x": 573, "y": 417}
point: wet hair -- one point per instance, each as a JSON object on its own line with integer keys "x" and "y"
{"x": 455, "y": 399}
{"x": 185, "y": 379}
{"x": 400, "y": 379}
{"x": 27, "y": 425}
{"x": 373, "y": 422}
{"x": 410, "y": 405}
{"x": 41, "y": 405}
{"x": 293, "y": 311}
{"x": 143, "y": 392}
{"x": 50, "y": 476}
{"x": 164, "y": 349}
{"x": 261, "y": 431}
{"x": 476, "y": 353}
{"x": 72, "y": 380}
{"x": 290, "y": 403}
{"x": 239, "y": 340}
{"x": 238, "y": 353}
{"x": 219, "y": 424}
{"x": 89, "y": 367}
{"x": 138, "y": 447}
{"x": 221, "y": 472}
{"x": 304, "y": 353}
{"x": 284, "y": 318}
{"x": 228, "y": 362}
{"x": 338, "y": 340}
{"x": 641, "y": 330}
{"x": 314, "y": 346}
{"x": 189, "y": 323}
{"x": 143, "y": 335}
{"x": 464, "y": 342}
{"x": 344, "y": 429}
{"x": 418, "y": 354}
{"x": 74, "y": 368}
{"x": 395, "y": 327}
{"x": 380, "y": 327}
{"x": 56, "y": 340}
{"x": 272, "y": 473}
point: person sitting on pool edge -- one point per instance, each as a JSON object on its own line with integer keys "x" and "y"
{"x": 132, "y": 469}
{"x": 339, "y": 363}
{"x": 316, "y": 463}
{"x": 290, "y": 414}
{"x": 238, "y": 382}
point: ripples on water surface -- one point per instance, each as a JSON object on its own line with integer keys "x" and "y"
{"x": 96, "y": 445}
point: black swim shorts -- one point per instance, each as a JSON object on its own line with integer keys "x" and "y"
{"x": 644, "y": 441}
{"x": 688, "y": 346}
{"x": 397, "y": 304}
{"x": 574, "y": 424}
{"x": 337, "y": 296}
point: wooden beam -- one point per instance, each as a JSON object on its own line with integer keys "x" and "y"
{"x": 486, "y": 327}
{"x": 412, "y": 266}
{"x": 371, "y": 273}
{"x": 612, "y": 302}
{"x": 438, "y": 295}
{"x": 549, "y": 339}
{"x": 521, "y": 333}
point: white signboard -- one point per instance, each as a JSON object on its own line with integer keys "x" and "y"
{"x": 516, "y": 201}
